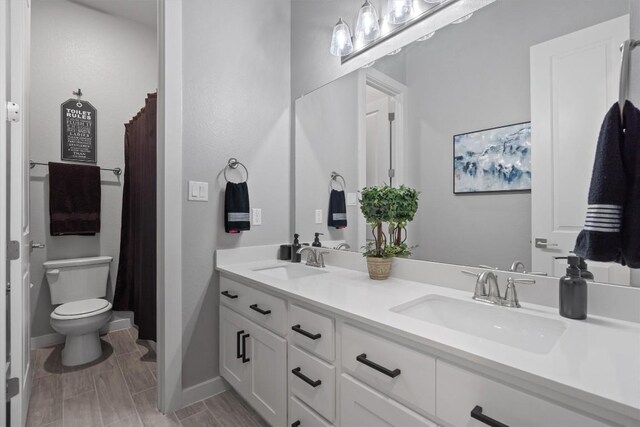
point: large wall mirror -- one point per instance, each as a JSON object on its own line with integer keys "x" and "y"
{"x": 494, "y": 120}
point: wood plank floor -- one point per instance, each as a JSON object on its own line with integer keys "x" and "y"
{"x": 119, "y": 390}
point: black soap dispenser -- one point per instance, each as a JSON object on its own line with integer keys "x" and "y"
{"x": 573, "y": 291}
{"x": 584, "y": 270}
{"x": 316, "y": 241}
{"x": 295, "y": 256}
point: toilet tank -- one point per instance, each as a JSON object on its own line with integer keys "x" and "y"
{"x": 78, "y": 278}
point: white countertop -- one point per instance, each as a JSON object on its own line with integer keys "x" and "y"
{"x": 596, "y": 360}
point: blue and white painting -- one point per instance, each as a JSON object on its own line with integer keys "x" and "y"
{"x": 497, "y": 159}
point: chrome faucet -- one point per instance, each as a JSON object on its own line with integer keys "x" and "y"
{"x": 315, "y": 257}
{"x": 487, "y": 289}
{"x": 516, "y": 264}
{"x": 344, "y": 246}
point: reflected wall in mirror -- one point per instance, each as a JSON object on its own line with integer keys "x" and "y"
{"x": 554, "y": 64}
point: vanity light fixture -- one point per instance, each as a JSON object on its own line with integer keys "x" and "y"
{"x": 426, "y": 37}
{"x": 463, "y": 19}
{"x": 399, "y": 11}
{"x": 369, "y": 65}
{"x": 341, "y": 43}
{"x": 367, "y": 24}
{"x": 433, "y": 1}
{"x": 394, "y": 51}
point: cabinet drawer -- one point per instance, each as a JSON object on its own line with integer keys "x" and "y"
{"x": 403, "y": 373}
{"x": 313, "y": 382}
{"x": 312, "y": 331}
{"x": 460, "y": 391}
{"x": 362, "y": 406}
{"x": 264, "y": 309}
{"x": 300, "y": 415}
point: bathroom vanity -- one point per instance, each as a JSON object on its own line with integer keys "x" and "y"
{"x": 309, "y": 346}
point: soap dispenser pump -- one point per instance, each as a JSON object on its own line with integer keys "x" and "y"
{"x": 295, "y": 256}
{"x": 316, "y": 242}
{"x": 573, "y": 291}
{"x": 584, "y": 270}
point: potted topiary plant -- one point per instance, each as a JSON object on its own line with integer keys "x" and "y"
{"x": 395, "y": 207}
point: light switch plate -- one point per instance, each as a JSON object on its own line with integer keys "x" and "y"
{"x": 352, "y": 199}
{"x": 257, "y": 216}
{"x": 198, "y": 191}
{"x": 318, "y": 216}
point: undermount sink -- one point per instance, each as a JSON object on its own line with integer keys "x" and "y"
{"x": 290, "y": 272}
{"x": 506, "y": 326}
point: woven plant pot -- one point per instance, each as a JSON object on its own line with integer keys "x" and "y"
{"x": 379, "y": 268}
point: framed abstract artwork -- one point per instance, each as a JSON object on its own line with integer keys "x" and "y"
{"x": 493, "y": 160}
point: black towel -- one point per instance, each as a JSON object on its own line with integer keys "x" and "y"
{"x": 337, "y": 210}
{"x": 612, "y": 227}
{"x": 74, "y": 199}
{"x": 236, "y": 208}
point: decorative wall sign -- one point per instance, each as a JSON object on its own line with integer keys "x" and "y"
{"x": 497, "y": 159}
{"x": 78, "y": 126}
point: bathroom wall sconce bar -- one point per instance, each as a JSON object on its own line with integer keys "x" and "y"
{"x": 116, "y": 171}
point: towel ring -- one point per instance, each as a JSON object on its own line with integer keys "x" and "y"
{"x": 233, "y": 163}
{"x": 334, "y": 178}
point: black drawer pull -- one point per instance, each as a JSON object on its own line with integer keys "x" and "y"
{"x": 305, "y": 378}
{"x": 238, "y": 348}
{"x": 259, "y": 310}
{"x": 477, "y": 414}
{"x": 363, "y": 359}
{"x": 245, "y": 359}
{"x": 228, "y": 295}
{"x": 299, "y": 330}
{"x": 296, "y": 424}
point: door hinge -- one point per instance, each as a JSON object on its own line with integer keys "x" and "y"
{"x": 13, "y": 250}
{"x": 13, "y": 388}
{"x": 392, "y": 173}
{"x": 13, "y": 112}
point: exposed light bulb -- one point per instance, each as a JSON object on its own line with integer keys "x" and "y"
{"x": 367, "y": 24}
{"x": 463, "y": 19}
{"x": 426, "y": 37}
{"x": 399, "y": 11}
{"x": 341, "y": 43}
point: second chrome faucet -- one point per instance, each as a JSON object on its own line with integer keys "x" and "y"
{"x": 315, "y": 257}
{"x": 487, "y": 289}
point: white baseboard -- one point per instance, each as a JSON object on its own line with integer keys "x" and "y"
{"x": 203, "y": 390}
{"x": 55, "y": 338}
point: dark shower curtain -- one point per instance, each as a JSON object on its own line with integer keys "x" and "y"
{"x": 136, "y": 282}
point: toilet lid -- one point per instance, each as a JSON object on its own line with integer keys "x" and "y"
{"x": 76, "y": 308}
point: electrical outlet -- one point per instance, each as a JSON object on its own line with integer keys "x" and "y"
{"x": 257, "y": 216}
{"x": 318, "y": 216}
{"x": 352, "y": 199}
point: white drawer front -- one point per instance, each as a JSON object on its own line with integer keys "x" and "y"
{"x": 264, "y": 309}
{"x": 415, "y": 386}
{"x": 300, "y": 415}
{"x": 321, "y": 397}
{"x": 362, "y": 406}
{"x": 312, "y": 331}
{"x": 459, "y": 391}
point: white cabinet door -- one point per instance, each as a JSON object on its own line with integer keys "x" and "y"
{"x": 361, "y": 405}
{"x": 267, "y": 391}
{"x": 574, "y": 82}
{"x": 232, "y": 368}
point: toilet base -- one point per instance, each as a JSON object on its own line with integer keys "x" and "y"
{"x": 81, "y": 349}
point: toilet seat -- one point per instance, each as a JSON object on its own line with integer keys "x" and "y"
{"x": 81, "y": 309}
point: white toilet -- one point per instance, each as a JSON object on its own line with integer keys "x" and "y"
{"x": 79, "y": 285}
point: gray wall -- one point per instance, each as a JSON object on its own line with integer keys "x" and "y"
{"x": 485, "y": 68}
{"x": 113, "y": 61}
{"x": 236, "y": 104}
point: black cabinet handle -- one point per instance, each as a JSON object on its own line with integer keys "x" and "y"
{"x": 363, "y": 359}
{"x": 299, "y": 330}
{"x": 305, "y": 378}
{"x": 477, "y": 414}
{"x": 228, "y": 295}
{"x": 259, "y": 310}
{"x": 245, "y": 359}
{"x": 238, "y": 348}
{"x": 296, "y": 424}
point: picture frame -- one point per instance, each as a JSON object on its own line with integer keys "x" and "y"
{"x": 493, "y": 160}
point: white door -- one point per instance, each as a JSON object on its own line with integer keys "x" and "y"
{"x": 574, "y": 82}
{"x": 378, "y": 142}
{"x": 19, "y": 279}
{"x": 4, "y": 366}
